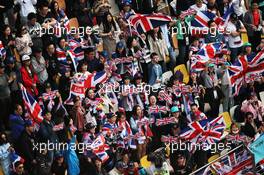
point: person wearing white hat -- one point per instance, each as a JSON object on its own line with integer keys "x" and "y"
{"x": 29, "y": 78}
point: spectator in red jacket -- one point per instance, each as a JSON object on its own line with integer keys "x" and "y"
{"x": 29, "y": 78}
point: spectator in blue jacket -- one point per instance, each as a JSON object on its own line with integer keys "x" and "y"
{"x": 155, "y": 70}
{"x": 16, "y": 122}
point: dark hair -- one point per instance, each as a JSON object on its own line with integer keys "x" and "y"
{"x": 4, "y": 28}
{"x": 31, "y": 16}
{"x": 16, "y": 106}
{"x": 130, "y": 41}
{"x": 134, "y": 111}
{"x": 153, "y": 54}
{"x": 108, "y": 25}
{"x": 194, "y": 104}
{"x": 19, "y": 31}
{"x": 59, "y": 40}
{"x": 248, "y": 113}
{"x": 151, "y": 34}
{"x": 52, "y": 7}
{"x": 210, "y": 22}
{"x": 18, "y": 163}
{"x": 43, "y": 4}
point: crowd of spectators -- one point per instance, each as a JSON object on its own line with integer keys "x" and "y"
{"x": 32, "y": 56}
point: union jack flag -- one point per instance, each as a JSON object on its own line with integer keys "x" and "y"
{"x": 99, "y": 148}
{"x": 144, "y": 23}
{"x": 32, "y": 107}
{"x": 208, "y": 52}
{"x": 15, "y": 158}
{"x": 217, "y": 60}
{"x": 227, "y": 14}
{"x": 2, "y": 50}
{"x": 76, "y": 47}
{"x": 95, "y": 78}
{"x": 165, "y": 121}
{"x": 143, "y": 122}
{"x": 158, "y": 109}
{"x": 77, "y": 87}
{"x": 62, "y": 29}
{"x": 204, "y": 130}
{"x": 181, "y": 89}
{"x": 50, "y": 96}
{"x": 243, "y": 68}
{"x": 169, "y": 139}
{"x": 201, "y": 19}
{"x": 187, "y": 12}
{"x": 123, "y": 60}
{"x": 163, "y": 95}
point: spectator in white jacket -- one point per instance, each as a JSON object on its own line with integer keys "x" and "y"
{"x": 27, "y": 6}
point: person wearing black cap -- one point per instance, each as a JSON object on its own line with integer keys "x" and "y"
{"x": 25, "y": 146}
{"x": 234, "y": 28}
{"x": 5, "y": 98}
{"x": 120, "y": 53}
{"x": 13, "y": 71}
{"x": 59, "y": 167}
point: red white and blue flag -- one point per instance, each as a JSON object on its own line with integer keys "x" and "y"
{"x": 76, "y": 47}
{"x": 15, "y": 158}
{"x": 95, "y": 78}
{"x": 99, "y": 148}
{"x": 206, "y": 130}
{"x": 243, "y": 68}
{"x": 207, "y": 53}
{"x": 32, "y": 107}
{"x": 201, "y": 19}
{"x": 83, "y": 81}
{"x": 144, "y": 23}
{"x": 2, "y": 50}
